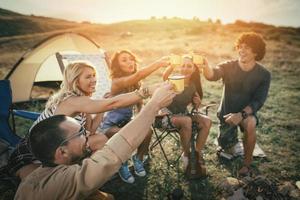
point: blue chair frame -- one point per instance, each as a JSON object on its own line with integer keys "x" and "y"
{"x": 6, "y": 112}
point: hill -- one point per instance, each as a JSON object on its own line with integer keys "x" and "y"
{"x": 279, "y": 127}
{"x": 12, "y": 23}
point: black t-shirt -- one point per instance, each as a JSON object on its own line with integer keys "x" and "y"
{"x": 242, "y": 88}
{"x": 182, "y": 100}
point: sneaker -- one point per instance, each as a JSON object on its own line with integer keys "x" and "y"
{"x": 185, "y": 161}
{"x": 138, "y": 166}
{"x": 125, "y": 174}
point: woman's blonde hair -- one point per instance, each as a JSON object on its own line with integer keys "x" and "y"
{"x": 69, "y": 86}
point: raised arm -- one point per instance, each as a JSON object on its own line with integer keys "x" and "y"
{"x": 167, "y": 72}
{"x": 119, "y": 84}
{"x": 207, "y": 70}
{"x": 85, "y": 104}
{"x": 94, "y": 172}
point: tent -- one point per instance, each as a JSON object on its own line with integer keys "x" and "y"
{"x": 40, "y": 64}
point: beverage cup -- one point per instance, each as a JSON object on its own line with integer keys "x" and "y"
{"x": 175, "y": 60}
{"x": 198, "y": 59}
{"x": 178, "y": 82}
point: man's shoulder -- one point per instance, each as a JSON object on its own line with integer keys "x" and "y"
{"x": 263, "y": 70}
{"x": 48, "y": 173}
{"x": 227, "y": 63}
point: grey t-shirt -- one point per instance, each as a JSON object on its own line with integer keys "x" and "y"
{"x": 241, "y": 88}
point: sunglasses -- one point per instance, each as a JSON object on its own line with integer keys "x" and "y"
{"x": 82, "y": 132}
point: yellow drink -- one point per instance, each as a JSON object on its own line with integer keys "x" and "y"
{"x": 175, "y": 60}
{"x": 178, "y": 82}
{"x": 197, "y": 59}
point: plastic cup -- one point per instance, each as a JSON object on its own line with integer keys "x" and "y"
{"x": 175, "y": 60}
{"x": 198, "y": 60}
{"x": 178, "y": 82}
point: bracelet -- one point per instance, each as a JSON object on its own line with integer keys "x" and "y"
{"x": 244, "y": 114}
{"x": 146, "y": 92}
{"x": 137, "y": 92}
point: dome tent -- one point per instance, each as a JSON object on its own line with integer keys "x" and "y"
{"x": 39, "y": 64}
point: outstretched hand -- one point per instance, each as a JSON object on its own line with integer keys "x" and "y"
{"x": 163, "y": 61}
{"x": 203, "y": 65}
{"x": 163, "y": 95}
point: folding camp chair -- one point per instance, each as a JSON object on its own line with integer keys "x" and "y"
{"x": 6, "y": 113}
{"x": 172, "y": 133}
{"x": 99, "y": 61}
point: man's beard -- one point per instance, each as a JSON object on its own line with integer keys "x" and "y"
{"x": 77, "y": 159}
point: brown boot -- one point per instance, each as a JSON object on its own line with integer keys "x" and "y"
{"x": 202, "y": 165}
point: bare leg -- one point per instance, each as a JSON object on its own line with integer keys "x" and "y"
{"x": 184, "y": 124}
{"x": 249, "y": 141}
{"x": 204, "y": 124}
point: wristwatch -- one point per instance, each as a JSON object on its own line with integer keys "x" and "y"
{"x": 244, "y": 114}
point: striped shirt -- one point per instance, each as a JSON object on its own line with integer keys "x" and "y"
{"x": 48, "y": 112}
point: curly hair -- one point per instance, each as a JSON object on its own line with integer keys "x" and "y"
{"x": 255, "y": 42}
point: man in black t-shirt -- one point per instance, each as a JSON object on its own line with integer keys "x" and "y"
{"x": 246, "y": 86}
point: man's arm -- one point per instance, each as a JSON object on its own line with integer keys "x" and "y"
{"x": 261, "y": 94}
{"x": 95, "y": 171}
{"x": 257, "y": 102}
{"x": 210, "y": 73}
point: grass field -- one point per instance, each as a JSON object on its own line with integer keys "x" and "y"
{"x": 279, "y": 129}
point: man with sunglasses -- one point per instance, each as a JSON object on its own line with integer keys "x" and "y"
{"x": 246, "y": 86}
{"x": 67, "y": 172}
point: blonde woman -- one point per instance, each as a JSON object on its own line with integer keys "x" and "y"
{"x": 74, "y": 100}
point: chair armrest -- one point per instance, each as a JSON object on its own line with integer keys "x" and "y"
{"x": 207, "y": 107}
{"x": 26, "y": 114}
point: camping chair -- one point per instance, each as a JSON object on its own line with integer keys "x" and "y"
{"x": 99, "y": 61}
{"x": 172, "y": 132}
{"x": 8, "y": 134}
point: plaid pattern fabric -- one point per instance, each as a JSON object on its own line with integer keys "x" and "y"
{"x": 20, "y": 157}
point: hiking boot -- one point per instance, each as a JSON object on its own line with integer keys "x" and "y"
{"x": 138, "y": 166}
{"x": 125, "y": 174}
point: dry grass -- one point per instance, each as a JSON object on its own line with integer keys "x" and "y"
{"x": 278, "y": 132}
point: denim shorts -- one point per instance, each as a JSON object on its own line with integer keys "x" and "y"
{"x": 118, "y": 117}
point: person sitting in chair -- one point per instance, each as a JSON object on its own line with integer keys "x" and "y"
{"x": 74, "y": 100}
{"x": 61, "y": 144}
{"x": 126, "y": 77}
{"x": 177, "y": 111}
{"x": 246, "y": 86}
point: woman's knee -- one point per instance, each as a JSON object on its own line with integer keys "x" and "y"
{"x": 187, "y": 123}
{"x": 183, "y": 123}
{"x": 205, "y": 122}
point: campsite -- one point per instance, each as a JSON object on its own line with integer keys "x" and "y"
{"x": 25, "y": 51}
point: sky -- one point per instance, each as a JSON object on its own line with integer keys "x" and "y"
{"x": 276, "y": 12}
